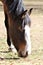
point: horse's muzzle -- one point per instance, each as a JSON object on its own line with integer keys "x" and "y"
{"x": 22, "y": 54}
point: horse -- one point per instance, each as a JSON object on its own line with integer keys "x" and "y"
{"x": 17, "y": 22}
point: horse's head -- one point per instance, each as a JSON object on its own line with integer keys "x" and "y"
{"x": 24, "y": 27}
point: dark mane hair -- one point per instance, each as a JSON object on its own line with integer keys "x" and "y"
{"x": 11, "y": 5}
{"x": 15, "y": 7}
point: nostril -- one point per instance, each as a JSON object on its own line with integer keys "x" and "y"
{"x": 26, "y": 54}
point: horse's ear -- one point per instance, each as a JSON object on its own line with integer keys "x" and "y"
{"x": 30, "y": 11}
{"x": 23, "y": 14}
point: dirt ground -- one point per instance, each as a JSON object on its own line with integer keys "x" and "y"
{"x": 36, "y": 58}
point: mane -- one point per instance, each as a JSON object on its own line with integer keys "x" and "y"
{"x": 15, "y": 7}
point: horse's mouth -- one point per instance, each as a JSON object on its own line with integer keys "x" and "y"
{"x": 22, "y": 54}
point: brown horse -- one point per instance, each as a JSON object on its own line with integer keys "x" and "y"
{"x": 17, "y": 23}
